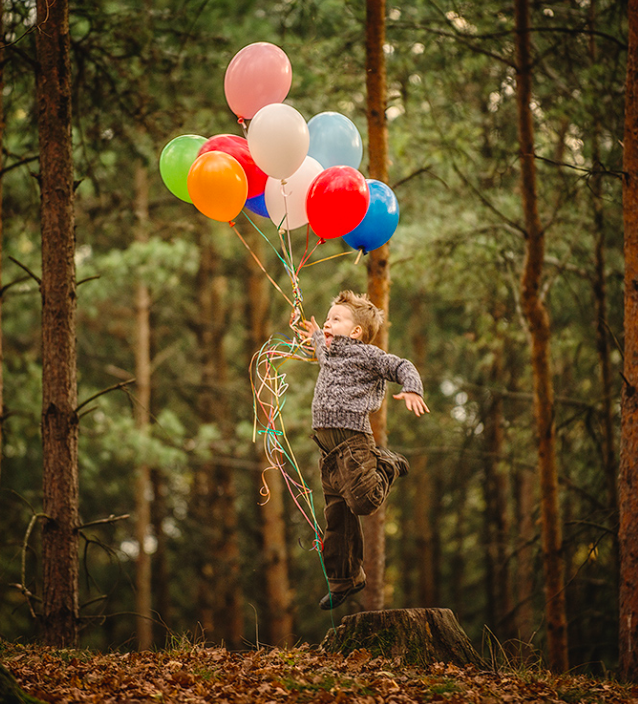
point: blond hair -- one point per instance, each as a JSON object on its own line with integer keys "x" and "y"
{"x": 364, "y": 313}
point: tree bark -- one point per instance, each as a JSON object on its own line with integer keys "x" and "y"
{"x": 600, "y": 298}
{"x": 524, "y": 622}
{"x": 426, "y": 497}
{"x": 378, "y": 276}
{"x": 539, "y": 329}
{"x": 414, "y": 636}
{"x": 160, "y": 574}
{"x": 58, "y": 289}
{"x": 220, "y": 587}
{"x": 274, "y": 547}
{"x": 142, "y": 411}
{"x": 1, "y": 238}
{"x": 497, "y": 522}
{"x": 628, "y": 486}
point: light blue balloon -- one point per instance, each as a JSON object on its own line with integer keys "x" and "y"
{"x": 379, "y": 222}
{"x": 334, "y": 140}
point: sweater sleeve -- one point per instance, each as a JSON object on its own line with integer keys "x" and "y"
{"x": 319, "y": 341}
{"x": 400, "y": 371}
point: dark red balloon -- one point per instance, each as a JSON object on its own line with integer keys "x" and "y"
{"x": 337, "y": 201}
{"x": 238, "y": 148}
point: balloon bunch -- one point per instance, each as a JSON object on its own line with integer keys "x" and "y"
{"x": 298, "y": 174}
{"x": 295, "y": 172}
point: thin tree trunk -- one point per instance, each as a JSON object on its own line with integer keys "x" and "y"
{"x": 143, "y": 488}
{"x": 1, "y": 236}
{"x": 539, "y": 328}
{"x": 497, "y": 523}
{"x": 600, "y": 297}
{"x": 458, "y": 558}
{"x": 378, "y": 277}
{"x": 274, "y": 547}
{"x": 425, "y": 497}
{"x": 628, "y": 487}
{"x": 425, "y": 560}
{"x": 222, "y": 550}
{"x": 524, "y": 613}
{"x": 58, "y": 288}
{"x": 160, "y": 577}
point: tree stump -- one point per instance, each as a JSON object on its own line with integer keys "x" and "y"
{"x": 415, "y": 636}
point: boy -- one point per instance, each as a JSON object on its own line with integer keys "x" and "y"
{"x": 356, "y": 475}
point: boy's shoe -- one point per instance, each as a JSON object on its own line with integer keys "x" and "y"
{"x": 334, "y": 599}
{"x": 395, "y": 460}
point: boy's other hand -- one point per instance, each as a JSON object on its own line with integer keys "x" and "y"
{"x": 308, "y": 328}
{"x": 413, "y": 402}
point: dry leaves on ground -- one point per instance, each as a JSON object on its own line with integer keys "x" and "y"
{"x": 304, "y": 674}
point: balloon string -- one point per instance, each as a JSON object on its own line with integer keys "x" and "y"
{"x": 260, "y": 265}
{"x": 332, "y": 256}
{"x": 268, "y": 381}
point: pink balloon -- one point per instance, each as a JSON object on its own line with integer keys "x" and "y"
{"x": 258, "y": 75}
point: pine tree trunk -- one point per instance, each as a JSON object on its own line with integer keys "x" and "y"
{"x": 220, "y": 588}
{"x": 160, "y": 575}
{"x": 1, "y": 238}
{"x": 378, "y": 277}
{"x": 628, "y": 486}
{"x": 413, "y": 636}
{"x": 524, "y": 623}
{"x": 424, "y": 489}
{"x": 142, "y": 411}
{"x": 58, "y": 289}
{"x": 425, "y": 555}
{"x": 274, "y": 547}
{"x": 600, "y": 299}
{"x": 539, "y": 328}
{"x": 496, "y": 491}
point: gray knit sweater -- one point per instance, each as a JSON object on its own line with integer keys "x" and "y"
{"x": 352, "y": 382}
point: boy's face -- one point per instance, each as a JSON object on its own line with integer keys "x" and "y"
{"x": 340, "y": 322}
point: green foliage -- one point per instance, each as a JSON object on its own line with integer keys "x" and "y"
{"x": 147, "y": 72}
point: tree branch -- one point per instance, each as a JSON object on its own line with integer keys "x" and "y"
{"x": 26, "y": 268}
{"x": 103, "y": 521}
{"x": 121, "y": 385}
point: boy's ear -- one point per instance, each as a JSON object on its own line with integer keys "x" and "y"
{"x": 357, "y": 332}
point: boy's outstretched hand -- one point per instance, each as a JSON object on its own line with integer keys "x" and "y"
{"x": 413, "y": 402}
{"x": 308, "y": 327}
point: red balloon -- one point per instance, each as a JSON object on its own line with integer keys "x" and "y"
{"x": 337, "y": 201}
{"x": 238, "y": 147}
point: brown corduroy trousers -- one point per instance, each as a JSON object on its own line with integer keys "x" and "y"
{"x": 356, "y": 477}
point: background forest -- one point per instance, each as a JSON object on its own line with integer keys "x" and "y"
{"x": 462, "y": 529}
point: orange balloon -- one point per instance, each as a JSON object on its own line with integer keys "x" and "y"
{"x": 217, "y": 185}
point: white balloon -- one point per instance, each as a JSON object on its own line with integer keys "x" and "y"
{"x": 286, "y": 201}
{"x": 278, "y": 140}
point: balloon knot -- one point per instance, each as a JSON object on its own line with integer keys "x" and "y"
{"x": 322, "y": 240}
{"x": 231, "y": 223}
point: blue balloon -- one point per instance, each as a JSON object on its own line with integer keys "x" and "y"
{"x": 334, "y": 140}
{"x": 379, "y": 222}
{"x": 257, "y": 204}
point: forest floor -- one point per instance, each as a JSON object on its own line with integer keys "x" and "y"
{"x": 302, "y": 674}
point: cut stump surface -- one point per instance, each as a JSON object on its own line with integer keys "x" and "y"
{"x": 415, "y": 636}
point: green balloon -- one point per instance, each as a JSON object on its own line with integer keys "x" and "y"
{"x": 175, "y": 162}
